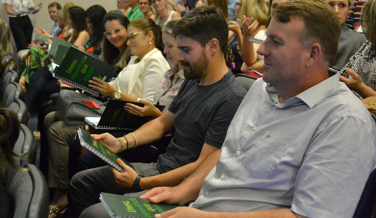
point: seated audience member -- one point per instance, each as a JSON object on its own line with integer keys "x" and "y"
{"x": 9, "y": 132}
{"x": 53, "y": 8}
{"x": 359, "y": 73}
{"x": 259, "y": 12}
{"x": 163, "y": 14}
{"x": 317, "y": 166}
{"x": 145, "y": 8}
{"x": 122, "y": 5}
{"x": 5, "y": 44}
{"x": 184, "y": 6}
{"x": 200, "y": 113}
{"x": 137, "y": 80}
{"x": 251, "y": 29}
{"x": 164, "y": 94}
{"x": 349, "y": 40}
{"x": 355, "y": 14}
{"x": 135, "y": 13}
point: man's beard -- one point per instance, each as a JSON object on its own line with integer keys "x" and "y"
{"x": 195, "y": 70}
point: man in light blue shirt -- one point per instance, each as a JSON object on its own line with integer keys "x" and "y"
{"x": 301, "y": 143}
{"x": 53, "y": 8}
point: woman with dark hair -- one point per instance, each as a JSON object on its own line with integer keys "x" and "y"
{"x": 145, "y": 8}
{"x": 115, "y": 50}
{"x": 146, "y": 67}
{"x": 94, "y": 20}
{"x": 76, "y": 20}
{"x": 9, "y": 132}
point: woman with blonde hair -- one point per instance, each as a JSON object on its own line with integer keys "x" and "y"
{"x": 5, "y": 45}
{"x": 163, "y": 14}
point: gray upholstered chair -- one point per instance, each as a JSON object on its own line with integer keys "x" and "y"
{"x": 245, "y": 80}
{"x": 12, "y": 92}
{"x": 28, "y": 192}
{"x": 19, "y": 107}
{"x": 25, "y": 144}
{"x": 8, "y": 77}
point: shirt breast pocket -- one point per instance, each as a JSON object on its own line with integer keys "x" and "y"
{"x": 262, "y": 158}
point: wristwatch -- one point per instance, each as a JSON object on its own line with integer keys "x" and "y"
{"x": 136, "y": 185}
{"x": 117, "y": 94}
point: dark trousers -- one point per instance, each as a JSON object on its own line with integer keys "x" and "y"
{"x": 40, "y": 87}
{"x": 22, "y": 31}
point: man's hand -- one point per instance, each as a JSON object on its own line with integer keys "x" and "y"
{"x": 107, "y": 140}
{"x": 180, "y": 212}
{"x": 126, "y": 178}
{"x": 102, "y": 87}
{"x": 147, "y": 110}
{"x": 170, "y": 195}
{"x": 250, "y": 26}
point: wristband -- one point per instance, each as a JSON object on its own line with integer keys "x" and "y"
{"x": 136, "y": 184}
{"x": 135, "y": 140}
{"x": 118, "y": 145}
{"x": 127, "y": 141}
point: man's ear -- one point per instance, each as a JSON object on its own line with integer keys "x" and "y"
{"x": 213, "y": 46}
{"x": 315, "y": 53}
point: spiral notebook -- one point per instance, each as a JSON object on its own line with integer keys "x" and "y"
{"x": 78, "y": 67}
{"x": 115, "y": 117}
{"x": 122, "y": 206}
{"x": 100, "y": 150}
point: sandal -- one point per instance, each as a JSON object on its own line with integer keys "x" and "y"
{"x": 56, "y": 211}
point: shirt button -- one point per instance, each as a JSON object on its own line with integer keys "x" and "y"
{"x": 223, "y": 177}
{"x": 206, "y": 193}
{"x": 255, "y": 128}
{"x": 238, "y": 153}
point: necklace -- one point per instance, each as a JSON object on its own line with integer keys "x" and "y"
{"x": 165, "y": 17}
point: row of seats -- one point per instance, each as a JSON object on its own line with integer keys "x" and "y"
{"x": 28, "y": 190}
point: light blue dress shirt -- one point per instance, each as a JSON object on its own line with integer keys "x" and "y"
{"x": 55, "y": 30}
{"x": 312, "y": 154}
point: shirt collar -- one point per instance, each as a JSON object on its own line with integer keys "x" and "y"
{"x": 310, "y": 97}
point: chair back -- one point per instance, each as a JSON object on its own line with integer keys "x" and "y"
{"x": 19, "y": 107}
{"x": 28, "y": 191}
{"x": 245, "y": 80}
{"x": 25, "y": 143}
{"x": 8, "y": 77}
{"x": 367, "y": 199}
{"x": 6, "y": 59}
{"x": 12, "y": 92}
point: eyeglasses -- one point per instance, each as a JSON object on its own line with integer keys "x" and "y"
{"x": 238, "y": 4}
{"x": 133, "y": 36}
{"x": 143, "y": 3}
{"x": 113, "y": 32}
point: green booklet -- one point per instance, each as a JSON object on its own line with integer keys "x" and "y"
{"x": 42, "y": 38}
{"x": 115, "y": 117}
{"x": 62, "y": 50}
{"x": 100, "y": 150}
{"x": 120, "y": 206}
{"x": 55, "y": 42}
{"x": 78, "y": 67}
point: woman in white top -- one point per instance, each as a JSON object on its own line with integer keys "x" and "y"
{"x": 163, "y": 14}
{"x": 20, "y": 23}
{"x": 145, "y": 69}
{"x": 173, "y": 79}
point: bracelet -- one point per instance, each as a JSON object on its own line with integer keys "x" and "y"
{"x": 135, "y": 140}
{"x": 127, "y": 141}
{"x": 118, "y": 145}
{"x": 121, "y": 144}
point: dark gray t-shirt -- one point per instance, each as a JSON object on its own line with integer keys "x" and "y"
{"x": 202, "y": 115}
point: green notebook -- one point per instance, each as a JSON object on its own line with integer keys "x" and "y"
{"x": 42, "y": 38}
{"x": 120, "y": 206}
{"x": 60, "y": 54}
{"x": 53, "y": 46}
{"x": 100, "y": 150}
{"x": 78, "y": 67}
{"x": 115, "y": 117}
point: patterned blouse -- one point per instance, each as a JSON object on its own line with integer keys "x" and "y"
{"x": 167, "y": 89}
{"x": 363, "y": 62}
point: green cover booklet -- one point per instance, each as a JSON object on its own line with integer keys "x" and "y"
{"x": 55, "y": 42}
{"x": 100, "y": 150}
{"x": 120, "y": 206}
{"x": 78, "y": 67}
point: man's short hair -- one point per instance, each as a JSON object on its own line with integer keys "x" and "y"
{"x": 202, "y": 24}
{"x": 321, "y": 24}
{"x": 55, "y": 4}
